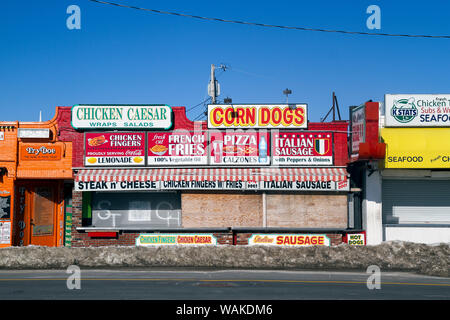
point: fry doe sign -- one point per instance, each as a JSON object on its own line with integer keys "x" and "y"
{"x": 121, "y": 116}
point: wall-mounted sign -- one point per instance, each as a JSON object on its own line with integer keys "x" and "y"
{"x": 114, "y": 149}
{"x": 302, "y": 148}
{"x": 38, "y": 133}
{"x": 305, "y": 185}
{"x": 356, "y": 239}
{"x": 35, "y": 151}
{"x": 291, "y": 240}
{"x": 2, "y": 135}
{"x": 429, "y": 150}
{"x": 358, "y": 126}
{"x": 185, "y": 239}
{"x": 211, "y": 185}
{"x": 249, "y": 148}
{"x": 121, "y": 117}
{"x": 417, "y": 110}
{"x": 5, "y": 232}
{"x": 177, "y": 148}
{"x": 267, "y": 116}
{"x": 5, "y": 206}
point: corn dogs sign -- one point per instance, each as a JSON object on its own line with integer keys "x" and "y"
{"x": 267, "y": 116}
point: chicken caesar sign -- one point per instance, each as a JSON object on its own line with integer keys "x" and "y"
{"x": 121, "y": 117}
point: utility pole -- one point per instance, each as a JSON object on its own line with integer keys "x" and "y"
{"x": 213, "y": 86}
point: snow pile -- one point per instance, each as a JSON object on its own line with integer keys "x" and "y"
{"x": 389, "y": 256}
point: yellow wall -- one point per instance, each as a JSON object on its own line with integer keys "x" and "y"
{"x": 417, "y": 148}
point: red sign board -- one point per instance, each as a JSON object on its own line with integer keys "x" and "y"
{"x": 239, "y": 147}
{"x": 302, "y": 148}
{"x": 177, "y": 148}
{"x": 115, "y": 149}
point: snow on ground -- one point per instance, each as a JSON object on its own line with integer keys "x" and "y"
{"x": 390, "y": 256}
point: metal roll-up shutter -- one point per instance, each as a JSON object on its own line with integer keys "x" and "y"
{"x": 416, "y": 201}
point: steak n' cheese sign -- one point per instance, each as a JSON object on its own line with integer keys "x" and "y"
{"x": 251, "y": 116}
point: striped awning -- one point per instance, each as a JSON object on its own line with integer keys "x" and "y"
{"x": 213, "y": 174}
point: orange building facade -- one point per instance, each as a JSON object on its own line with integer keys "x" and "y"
{"x": 35, "y": 180}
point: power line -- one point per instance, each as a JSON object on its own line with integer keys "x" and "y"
{"x": 192, "y": 108}
{"x": 272, "y": 25}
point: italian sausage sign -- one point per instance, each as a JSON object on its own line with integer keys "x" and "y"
{"x": 302, "y": 148}
{"x": 252, "y": 116}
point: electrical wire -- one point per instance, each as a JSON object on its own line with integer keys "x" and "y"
{"x": 197, "y": 105}
{"x": 271, "y": 25}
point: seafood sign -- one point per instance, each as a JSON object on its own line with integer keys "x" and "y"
{"x": 114, "y": 149}
{"x": 417, "y": 110}
{"x": 177, "y": 148}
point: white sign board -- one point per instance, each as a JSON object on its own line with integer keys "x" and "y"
{"x": 417, "y": 110}
{"x": 262, "y": 116}
{"x": 121, "y": 117}
{"x": 292, "y": 240}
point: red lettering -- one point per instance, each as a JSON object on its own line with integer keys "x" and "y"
{"x": 217, "y": 120}
{"x": 300, "y": 116}
{"x": 229, "y": 112}
{"x": 276, "y": 116}
{"x": 307, "y": 240}
{"x": 264, "y": 116}
{"x": 280, "y": 240}
{"x": 240, "y": 118}
{"x": 287, "y": 116}
{"x": 251, "y": 116}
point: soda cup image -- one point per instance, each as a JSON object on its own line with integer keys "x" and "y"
{"x": 218, "y": 148}
{"x": 262, "y": 150}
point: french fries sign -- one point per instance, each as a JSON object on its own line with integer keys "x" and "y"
{"x": 251, "y": 116}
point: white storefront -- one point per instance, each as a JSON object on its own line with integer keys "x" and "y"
{"x": 415, "y": 180}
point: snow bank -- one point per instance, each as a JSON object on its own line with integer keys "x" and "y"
{"x": 389, "y": 256}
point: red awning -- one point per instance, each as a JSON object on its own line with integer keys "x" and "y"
{"x": 213, "y": 174}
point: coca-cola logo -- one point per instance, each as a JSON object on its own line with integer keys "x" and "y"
{"x": 41, "y": 150}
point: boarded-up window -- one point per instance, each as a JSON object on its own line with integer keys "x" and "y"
{"x": 136, "y": 210}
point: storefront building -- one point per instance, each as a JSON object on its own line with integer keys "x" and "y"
{"x": 416, "y": 170}
{"x": 402, "y": 168}
{"x": 251, "y": 174}
{"x": 35, "y": 183}
{"x": 366, "y": 151}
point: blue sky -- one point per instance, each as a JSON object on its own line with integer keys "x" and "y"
{"x": 130, "y": 57}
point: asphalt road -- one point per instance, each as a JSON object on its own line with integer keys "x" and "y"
{"x": 132, "y": 284}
